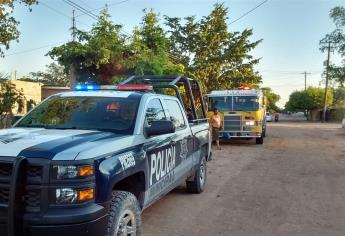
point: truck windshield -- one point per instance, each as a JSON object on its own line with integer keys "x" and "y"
{"x": 245, "y": 103}
{"x": 234, "y": 103}
{"x": 112, "y": 114}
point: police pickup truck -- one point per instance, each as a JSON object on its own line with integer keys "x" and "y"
{"x": 88, "y": 162}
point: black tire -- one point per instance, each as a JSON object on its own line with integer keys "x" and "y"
{"x": 260, "y": 140}
{"x": 124, "y": 215}
{"x": 197, "y": 185}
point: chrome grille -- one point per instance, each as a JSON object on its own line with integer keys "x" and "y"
{"x": 232, "y": 123}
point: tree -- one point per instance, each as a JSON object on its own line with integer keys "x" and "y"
{"x": 218, "y": 58}
{"x": 8, "y": 24}
{"x": 272, "y": 99}
{"x": 54, "y": 75}
{"x": 150, "y": 49}
{"x": 98, "y": 55}
{"x": 103, "y": 54}
{"x": 339, "y": 97}
{"x": 9, "y": 96}
{"x": 310, "y": 99}
{"x": 337, "y": 40}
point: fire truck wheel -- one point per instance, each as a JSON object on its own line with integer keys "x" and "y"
{"x": 124, "y": 215}
{"x": 260, "y": 140}
{"x": 197, "y": 184}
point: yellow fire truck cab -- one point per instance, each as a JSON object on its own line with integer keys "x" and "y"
{"x": 242, "y": 111}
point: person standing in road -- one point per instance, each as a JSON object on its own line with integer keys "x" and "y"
{"x": 215, "y": 125}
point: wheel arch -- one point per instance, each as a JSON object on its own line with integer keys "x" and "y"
{"x": 135, "y": 184}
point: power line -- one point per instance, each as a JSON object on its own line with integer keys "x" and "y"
{"x": 85, "y": 4}
{"x": 32, "y": 49}
{"x": 251, "y": 10}
{"x": 81, "y": 9}
{"x": 305, "y": 79}
{"x": 61, "y": 13}
{"x": 109, "y": 5}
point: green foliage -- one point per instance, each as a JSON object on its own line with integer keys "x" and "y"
{"x": 104, "y": 54}
{"x": 339, "y": 97}
{"x": 150, "y": 49}
{"x": 337, "y": 74}
{"x": 203, "y": 49}
{"x": 8, "y": 24}
{"x": 9, "y": 96}
{"x": 54, "y": 75}
{"x": 310, "y": 99}
{"x": 98, "y": 55}
{"x": 337, "y": 39}
{"x": 218, "y": 58}
{"x": 272, "y": 99}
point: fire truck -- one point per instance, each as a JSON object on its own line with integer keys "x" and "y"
{"x": 243, "y": 113}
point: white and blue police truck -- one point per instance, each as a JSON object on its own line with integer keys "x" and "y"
{"x": 88, "y": 162}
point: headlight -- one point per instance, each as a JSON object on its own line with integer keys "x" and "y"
{"x": 70, "y": 195}
{"x": 72, "y": 171}
{"x": 250, "y": 123}
{"x": 66, "y": 195}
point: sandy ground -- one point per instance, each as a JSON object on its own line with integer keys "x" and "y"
{"x": 294, "y": 184}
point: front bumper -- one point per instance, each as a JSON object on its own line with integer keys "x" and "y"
{"x": 239, "y": 134}
{"x": 91, "y": 228}
{"x": 86, "y": 221}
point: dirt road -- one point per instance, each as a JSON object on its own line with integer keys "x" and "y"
{"x": 294, "y": 184}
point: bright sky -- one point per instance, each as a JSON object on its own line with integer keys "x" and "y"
{"x": 291, "y": 30}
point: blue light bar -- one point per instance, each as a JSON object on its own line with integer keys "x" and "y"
{"x": 86, "y": 87}
{"x": 78, "y": 87}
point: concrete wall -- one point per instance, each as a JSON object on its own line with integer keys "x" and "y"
{"x": 48, "y": 91}
{"x": 31, "y": 91}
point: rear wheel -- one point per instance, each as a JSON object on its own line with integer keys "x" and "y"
{"x": 197, "y": 184}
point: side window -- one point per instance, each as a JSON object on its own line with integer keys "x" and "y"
{"x": 154, "y": 112}
{"x": 175, "y": 112}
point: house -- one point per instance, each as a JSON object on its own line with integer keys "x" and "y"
{"x": 32, "y": 96}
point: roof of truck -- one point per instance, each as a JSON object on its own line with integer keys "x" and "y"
{"x": 251, "y": 92}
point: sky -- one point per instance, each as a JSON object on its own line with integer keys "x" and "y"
{"x": 290, "y": 29}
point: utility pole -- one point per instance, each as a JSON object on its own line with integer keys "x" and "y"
{"x": 73, "y": 27}
{"x": 306, "y": 112}
{"x": 305, "y": 79}
{"x": 326, "y": 87}
{"x": 72, "y": 70}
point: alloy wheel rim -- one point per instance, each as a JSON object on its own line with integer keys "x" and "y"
{"x": 202, "y": 174}
{"x": 127, "y": 224}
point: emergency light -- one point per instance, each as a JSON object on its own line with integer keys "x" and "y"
{"x": 93, "y": 87}
{"x": 244, "y": 88}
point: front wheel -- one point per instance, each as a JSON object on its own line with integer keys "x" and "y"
{"x": 124, "y": 215}
{"x": 197, "y": 185}
{"x": 260, "y": 140}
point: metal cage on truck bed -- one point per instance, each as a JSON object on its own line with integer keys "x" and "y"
{"x": 191, "y": 86}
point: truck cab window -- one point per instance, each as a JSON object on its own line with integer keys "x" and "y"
{"x": 154, "y": 112}
{"x": 175, "y": 112}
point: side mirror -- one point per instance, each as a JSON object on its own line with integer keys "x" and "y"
{"x": 159, "y": 127}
